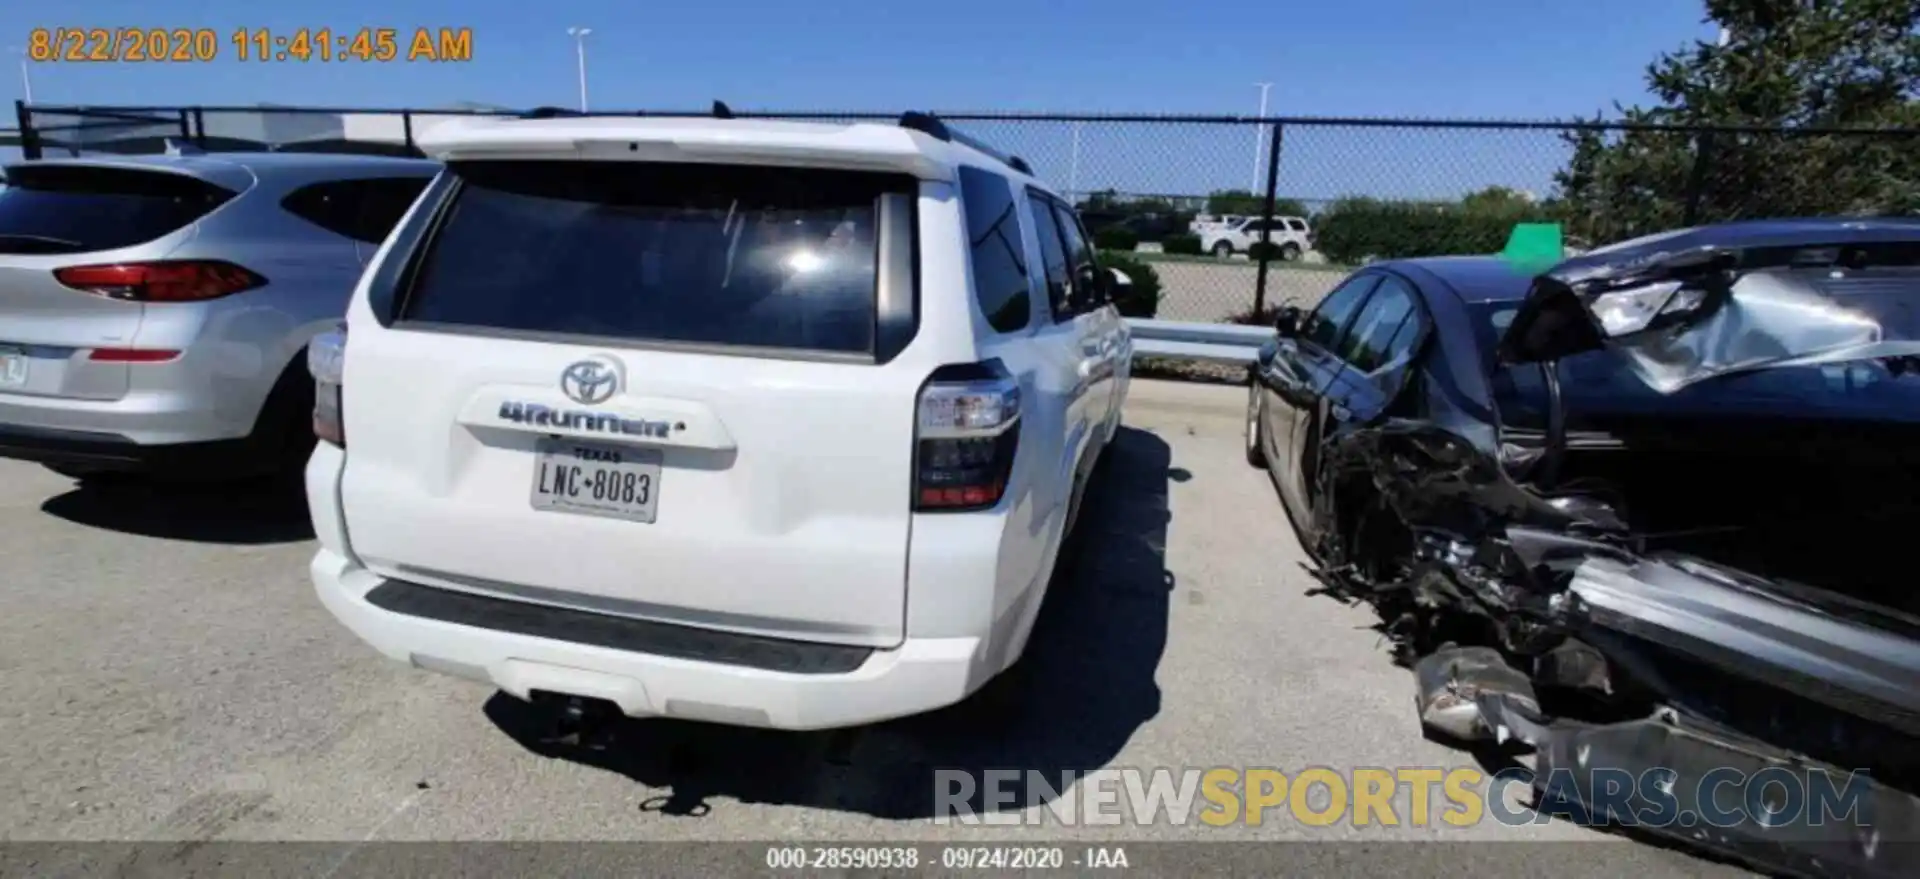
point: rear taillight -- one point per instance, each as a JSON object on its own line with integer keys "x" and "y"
{"x": 967, "y": 433}
{"x": 327, "y": 362}
{"x": 132, "y": 355}
{"x": 187, "y": 280}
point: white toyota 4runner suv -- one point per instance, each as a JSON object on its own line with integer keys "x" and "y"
{"x": 759, "y": 423}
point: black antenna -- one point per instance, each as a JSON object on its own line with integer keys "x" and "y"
{"x": 721, "y": 110}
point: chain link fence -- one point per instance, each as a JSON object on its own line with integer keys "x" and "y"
{"x": 1178, "y": 192}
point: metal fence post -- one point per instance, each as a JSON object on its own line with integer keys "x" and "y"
{"x": 406, "y": 129}
{"x": 199, "y": 128}
{"x": 1266, "y": 227}
{"x": 1697, "y": 180}
{"x": 186, "y": 124}
{"x": 29, "y": 138}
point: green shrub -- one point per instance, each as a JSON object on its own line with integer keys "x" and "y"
{"x": 1266, "y": 251}
{"x": 1118, "y": 238}
{"x": 1143, "y": 299}
{"x": 1354, "y": 230}
{"x": 1188, "y": 245}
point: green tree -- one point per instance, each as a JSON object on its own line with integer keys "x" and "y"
{"x": 1790, "y": 65}
{"x": 1497, "y": 201}
{"x": 1248, "y": 204}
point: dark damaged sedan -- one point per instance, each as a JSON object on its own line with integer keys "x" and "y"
{"x": 1652, "y": 516}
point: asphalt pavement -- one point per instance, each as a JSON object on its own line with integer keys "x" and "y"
{"x": 166, "y": 674}
{"x": 1210, "y": 290}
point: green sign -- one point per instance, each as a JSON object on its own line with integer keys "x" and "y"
{"x": 1534, "y": 247}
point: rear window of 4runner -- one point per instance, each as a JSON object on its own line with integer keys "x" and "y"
{"x": 727, "y": 255}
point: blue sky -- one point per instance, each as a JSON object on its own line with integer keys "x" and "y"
{"x": 1489, "y": 59}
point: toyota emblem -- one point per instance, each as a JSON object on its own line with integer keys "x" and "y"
{"x": 591, "y": 382}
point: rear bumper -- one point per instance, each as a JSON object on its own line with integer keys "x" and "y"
{"x": 111, "y": 451}
{"x": 920, "y": 675}
{"x": 158, "y": 417}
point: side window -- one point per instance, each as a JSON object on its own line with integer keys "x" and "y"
{"x": 1053, "y": 255}
{"x": 332, "y": 206}
{"x": 999, "y": 263}
{"x": 1323, "y": 326}
{"x": 1084, "y": 290}
{"x": 1297, "y": 225}
{"x": 364, "y": 210}
{"x": 1384, "y": 330}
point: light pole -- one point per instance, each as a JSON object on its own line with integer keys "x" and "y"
{"x": 26, "y": 79}
{"x": 1260, "y": 136}
{"x": 579, "y": 35}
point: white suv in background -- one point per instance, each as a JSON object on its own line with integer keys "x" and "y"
{"x": 759, "y": 423}
{"x": 1291, "y": 234}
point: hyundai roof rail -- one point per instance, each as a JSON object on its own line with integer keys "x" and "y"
{"x": 931, "y": 125}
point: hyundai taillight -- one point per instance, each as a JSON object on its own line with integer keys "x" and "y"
{"x": 966, "y": 435}
{"x": 327, "y": 362}
{"x": 186, "y": 280}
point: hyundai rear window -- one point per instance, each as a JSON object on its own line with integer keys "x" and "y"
{"x": 55, "y": 209}
{"x": 684, "y": 253}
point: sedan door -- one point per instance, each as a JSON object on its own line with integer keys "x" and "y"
{"x": 1373, "y": 357}
{"x": 1293, "y": 378}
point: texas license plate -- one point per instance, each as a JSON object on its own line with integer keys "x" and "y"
{"x": 592, "y": 479}
{"x": 13, "y": 367}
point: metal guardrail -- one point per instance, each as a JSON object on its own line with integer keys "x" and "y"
{"x": 1228, "y": 344}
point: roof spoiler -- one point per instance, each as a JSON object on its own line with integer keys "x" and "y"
{"x": 931, "y": 125}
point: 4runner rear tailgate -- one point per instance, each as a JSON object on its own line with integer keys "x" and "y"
{"x": 781, "y": 508}
{"x": 673, "y": 391}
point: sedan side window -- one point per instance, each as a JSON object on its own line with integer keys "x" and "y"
{"x": 1385, "y": 329}
{"x": 1323, "y": 326}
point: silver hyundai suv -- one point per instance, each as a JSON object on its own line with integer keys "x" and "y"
{"x": 154, "y": 309}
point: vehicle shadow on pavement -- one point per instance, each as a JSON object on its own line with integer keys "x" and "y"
{"x": 1088, "y": 685}
{"x": 252, "y": 512}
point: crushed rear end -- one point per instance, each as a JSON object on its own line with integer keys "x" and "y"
{"x": 1694, "y": 610}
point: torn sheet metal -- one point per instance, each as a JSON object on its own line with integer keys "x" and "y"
{"x": 1774, "y": 319}
{"x": 1693, "y": 305}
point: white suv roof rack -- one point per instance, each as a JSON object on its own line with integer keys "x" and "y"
{"x": 925, "y": 123}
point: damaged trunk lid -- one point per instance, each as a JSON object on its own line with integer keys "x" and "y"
{"x": 1688, "y": 306}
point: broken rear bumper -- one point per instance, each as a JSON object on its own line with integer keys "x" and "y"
{"x": 1696, "y": 781}
{"x": 1843, "y": 654}
{"x": 1735, "y": 797}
